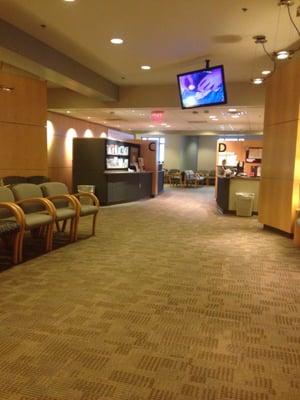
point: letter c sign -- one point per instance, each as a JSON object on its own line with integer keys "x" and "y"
{"x": 152, "y": 146}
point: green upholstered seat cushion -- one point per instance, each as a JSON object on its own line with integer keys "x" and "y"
{"x": 64, "y": 213}
{"x": 87, "y": 209}
{"x": 35, "y": 220}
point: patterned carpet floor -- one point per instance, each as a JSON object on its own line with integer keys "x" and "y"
{"x": 169, "y": 301}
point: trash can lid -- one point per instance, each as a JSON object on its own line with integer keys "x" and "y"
{"x": 245, "y": 194}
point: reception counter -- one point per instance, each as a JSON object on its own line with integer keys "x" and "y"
{"x": 123, "y": 186}
{"x": 228, "y": 187}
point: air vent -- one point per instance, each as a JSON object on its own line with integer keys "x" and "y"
{"x": 116, "y": 119}
{"x": 196, "y": 122}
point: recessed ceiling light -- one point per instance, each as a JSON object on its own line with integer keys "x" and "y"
{"x": 69, "y": 1}
{"x": 212, "y": 116}
{"x": 257, "y": 81}
{"x": 266, "y": 72}
{"x": 6, "y": 88}
{"x": 146, "y": 67}
{"x": 168, "y": 126}
{"x": 116, "y": 41}
{"x": 235, "y": 116}
{"x": 68, "y": 112}
{"x": 88, "y": 117}
{"x": 151, "y": 126}
{"x": 282, "y": 55}
{"x": 132, "y": 110}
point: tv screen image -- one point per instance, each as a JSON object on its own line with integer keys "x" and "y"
{"x": 203, "y": 87}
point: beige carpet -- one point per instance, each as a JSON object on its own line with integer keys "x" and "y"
{"x": 169, "y": 301}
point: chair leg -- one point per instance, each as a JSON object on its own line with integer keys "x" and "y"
{"x": 57, "y": 226}
{"x": 20, "y": 245}
{"x": 94, "y": 223}
{"x": 49, "y": 237}
{"x": 64, "y": 225}
{"x": 16, "y": 248}
{"x": 76, "y": 228}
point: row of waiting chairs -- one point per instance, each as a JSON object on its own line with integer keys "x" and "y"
{"x": 38, "y": 208}
{"x": 187, "y": 178}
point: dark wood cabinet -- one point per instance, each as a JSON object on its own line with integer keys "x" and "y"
{"x": 111, "y": 187}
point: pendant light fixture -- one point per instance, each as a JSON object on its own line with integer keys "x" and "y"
{"x": 282, "y": 54}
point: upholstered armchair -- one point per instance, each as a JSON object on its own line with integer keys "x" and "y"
{"x": 192, "y": 178}
{"x": 11, "y": 222}
{"x": 175, "y": 177}
{"x": 92, "y": 208}
{"x": 39, "y": 213}
{"x": 66, "y": 206}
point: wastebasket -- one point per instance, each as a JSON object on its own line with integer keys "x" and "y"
{"x": 244, "y": 204}
{"x": 85, "y": 189}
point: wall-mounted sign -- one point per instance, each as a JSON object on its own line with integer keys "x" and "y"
{"x": 222, "y": 147}
{"x": 254, "y": 155}
{"x": 152, "y": 146}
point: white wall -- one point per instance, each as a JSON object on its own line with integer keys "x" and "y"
{"x": 174, "y": 151}
{"x": 207, "y": 152}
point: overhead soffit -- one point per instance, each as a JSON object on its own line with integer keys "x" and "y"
{"x": 172, "y": 39}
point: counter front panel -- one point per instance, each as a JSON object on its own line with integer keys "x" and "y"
{"x": 228, "y": 187}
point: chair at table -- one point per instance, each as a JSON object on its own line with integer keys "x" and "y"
{"x": 39, "y": 213}
{"x": 66, "y": 206}
{"x": 175, "y": 177}
{"x": 192, "y": 179}
{"x": 11, "y": 222}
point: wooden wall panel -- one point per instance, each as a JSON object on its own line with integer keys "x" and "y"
{"x": 275, "y": 208}
{"x": 280, "y": 150}
{"x": 281, "y": 161}
{"x": 282, "y": 94}
{"x": 23, "y": 141}
{"x": 27, "y": 146}
{"x": 26, "y": 104}
{"x": 61, "y": 130}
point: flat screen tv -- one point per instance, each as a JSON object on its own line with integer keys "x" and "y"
{"x": 202, "y": 88}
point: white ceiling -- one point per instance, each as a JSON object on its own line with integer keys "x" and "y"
{"x": 250, "y": 119}
{"x": 172, "y": 36}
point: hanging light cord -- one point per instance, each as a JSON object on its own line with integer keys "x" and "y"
{"x": 292, "y": 21}
{"x": 269, "y": 55}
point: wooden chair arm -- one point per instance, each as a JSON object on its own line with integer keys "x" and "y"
{"x": 17, "y": 212}
{"x": 45, "y": 202}
{"x": 90, "y": 195}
